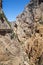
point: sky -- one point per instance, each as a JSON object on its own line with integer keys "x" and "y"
{"x": 12, "y": 8}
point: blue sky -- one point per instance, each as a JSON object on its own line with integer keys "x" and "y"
{"x": 12, "y": 8}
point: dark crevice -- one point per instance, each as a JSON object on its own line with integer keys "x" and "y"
{"x": 2, "y": 19}
{"x": 41, "y": 35}
{"x": 15, "y": 25}
{"x": 37, "y": 31}
{"x": 40, "y": 1}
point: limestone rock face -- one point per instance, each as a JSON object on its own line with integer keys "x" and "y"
{"x": 9, "y": 51}
{"x": 29, "y": 31}
{"x": 24, "y": 46}
{"x": 4, "y": 24}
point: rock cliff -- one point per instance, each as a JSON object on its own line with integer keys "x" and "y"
{"x": 29, "y": 30}
{"x": 24, "y": 45}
